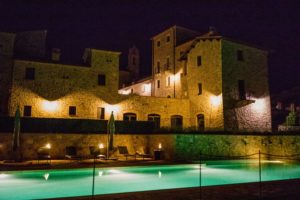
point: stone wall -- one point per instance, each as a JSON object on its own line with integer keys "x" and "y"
{"x": 253, "y": 69}
{"x": 175, "y": 146}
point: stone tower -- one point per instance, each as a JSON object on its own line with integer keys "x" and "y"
{"x": 134, "y": 62}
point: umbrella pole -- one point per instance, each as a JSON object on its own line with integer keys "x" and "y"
{"x": 107, "y": 145}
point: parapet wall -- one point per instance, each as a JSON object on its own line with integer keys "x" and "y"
{"x": 175, "y": 146}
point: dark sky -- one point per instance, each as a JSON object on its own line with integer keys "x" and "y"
{"x": 117, "y": 25}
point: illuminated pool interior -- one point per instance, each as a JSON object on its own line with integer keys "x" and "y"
{"x": 40, "y": 184}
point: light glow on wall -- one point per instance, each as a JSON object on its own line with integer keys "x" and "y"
{"x": 147, "y": 87}
{"x": 125, "y": 92}
{"x": 112, "y": 108}
{"x": 259, "y": 105}
{"x": 216, "y": 100}
{"x": 50, "y": 106}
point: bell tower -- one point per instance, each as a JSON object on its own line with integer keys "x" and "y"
{"x": 134, "y": 62}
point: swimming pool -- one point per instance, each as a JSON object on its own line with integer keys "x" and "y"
{"x": 41, "y": 184}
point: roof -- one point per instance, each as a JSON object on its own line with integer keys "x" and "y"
{"x": 176, "y": 27}
{"x": 214, "y": 35}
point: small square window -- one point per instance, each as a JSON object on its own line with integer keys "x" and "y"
{"x": 100, "y": 113}
{"x": 168, "y": 63}
{"x": 158, "y": 67}
{"x": 158, "y": 83}
{"x": 240, "y": 55}
{"x": 199, "y": 88}
{"x": 168, "y": 38}
{"x": 168, "y": 81}
{"x": 30, "y": 73}
{"x": 27, "y": 111}
{"x": 101, "y": 79}
{"x": 72, "y": 110}
{"x": 158, "y": 43}
{"x": 199, "y": 61}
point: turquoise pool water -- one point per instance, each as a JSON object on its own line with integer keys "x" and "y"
{"x": 78, "y": 182}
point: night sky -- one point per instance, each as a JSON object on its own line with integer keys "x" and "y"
{"x": 117, "y": 25}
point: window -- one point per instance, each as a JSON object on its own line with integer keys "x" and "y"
{"x": 158, "y": 83}
{"x": 168, "y": 38}
{"x": 30, "y": 73}
{"x": 72, "y": 110}
{"x": 158, "y": 67}
{"x": 129, "y": 117}
{"x": 168, "y": 81}
{"x": 199, "y": 88}
{"x": 168, "y": 63}
{"x": 100, "y": 113}
{"x": 176, "y": 122}
{"x": 101, "y": 79}
{"x": 156, "y": 119}
{"x": 200, "y": 122}
{"x": 199, "y": 61}
{"x": 240, "y": 55}
{"x": 27, "y": 111}
{"x": 158, "y": 44}
{"x": 242, "y": 92}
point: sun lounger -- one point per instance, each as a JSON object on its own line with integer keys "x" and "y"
{"x": 71, "y": 153}
{"x": 124, "y": 151}
{"x": 96, "y": 153}
{"x": 43, "y": 153}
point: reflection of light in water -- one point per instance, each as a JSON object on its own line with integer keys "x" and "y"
{"x": 100, "y": 173}
{"x": 46, "y": 176}
{"x": 198, "y": 166}
{"x": 159, "y": 174}
{"x": 3, "y": 175}
{"x": 114, "y": 171}
{"x": 272, "y": 161}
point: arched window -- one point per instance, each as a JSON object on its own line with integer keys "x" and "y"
{"x": 155, "y": 118}
{"x": 129, "y": 117}
{"x": 200, "y": 122}
{"x": 176, "y": 122}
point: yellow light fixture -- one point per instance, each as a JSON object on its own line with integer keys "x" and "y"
{"x": 101, "y": 146}
{"x": 159, "y": 146}
{"x": 48, "y": 146}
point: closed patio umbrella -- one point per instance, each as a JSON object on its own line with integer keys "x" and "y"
{"x": 110, "y": 133}
{"x": 16, "y": 136}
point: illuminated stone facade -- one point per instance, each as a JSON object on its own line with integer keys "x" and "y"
{"x": 225, "y": 81}
{"x": 204, "y": 82}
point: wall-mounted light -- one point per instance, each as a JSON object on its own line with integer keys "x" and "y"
{"x": 50, "y": 106}
{"x": 159, "y": 146}
{"x": 101, "y": 146}
{"x": 48, "y": 146}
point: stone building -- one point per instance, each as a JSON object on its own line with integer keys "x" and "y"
{"x": 205, "y": 82}
{"x": 224, "y": 80}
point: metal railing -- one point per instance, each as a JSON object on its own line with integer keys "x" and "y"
{"x": 259, "y": 154}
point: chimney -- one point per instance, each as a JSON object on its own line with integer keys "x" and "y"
{"x": 55, "y": 54}
{"x": 212, "y": 30}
